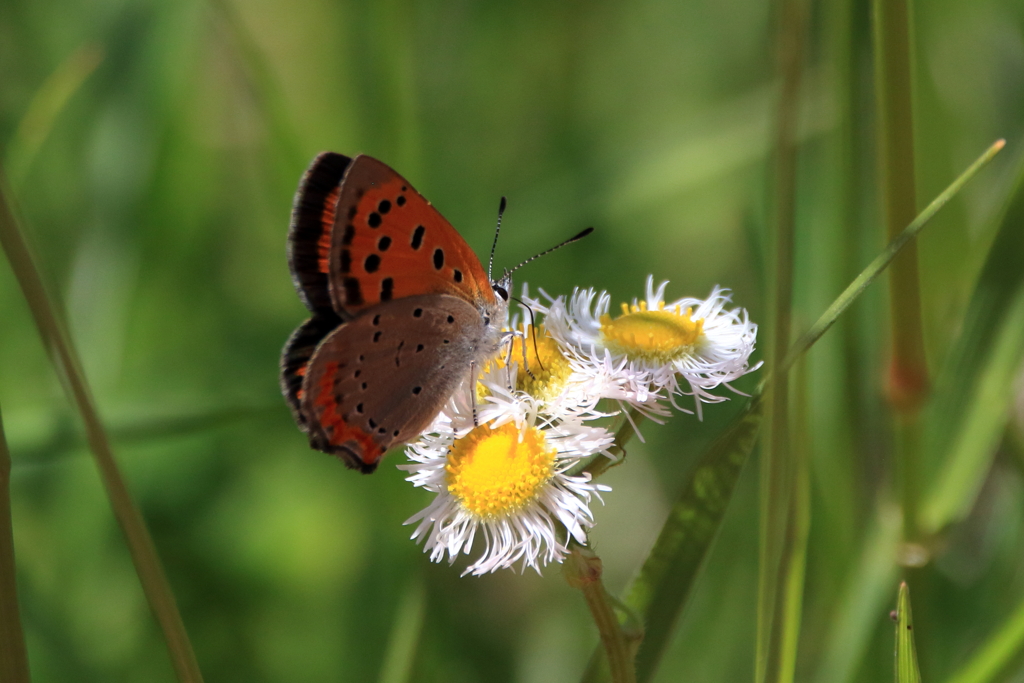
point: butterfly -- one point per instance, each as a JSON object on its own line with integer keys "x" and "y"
{"x": 402, "y": 310}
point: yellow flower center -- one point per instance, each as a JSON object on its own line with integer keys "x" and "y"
{"x": 494, "y": 472}
{"x": 657, "y": 336}
{"x": 548, "y": 367}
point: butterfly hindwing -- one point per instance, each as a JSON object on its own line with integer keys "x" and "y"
{"x": 310, "y": 235}
{"x": 379, "y": 379}
{"x": 296, "y": 356}
{"x": 389, "y": 243}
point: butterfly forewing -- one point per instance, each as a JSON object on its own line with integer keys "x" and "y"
{"x": 381, "y": 378}
{"x": 389, "y": 242}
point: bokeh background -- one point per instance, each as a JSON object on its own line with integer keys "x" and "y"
{"x": 153, "y": 149}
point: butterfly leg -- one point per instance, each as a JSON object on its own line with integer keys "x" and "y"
{"x": 508, "y": 340}
{"x": 526, "y": 363}
{"x": 472, "y": 391}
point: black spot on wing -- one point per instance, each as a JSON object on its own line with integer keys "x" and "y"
{"x": 417, "y": 237}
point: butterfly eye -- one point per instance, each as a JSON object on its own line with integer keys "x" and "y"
{"x": 500, "y": 291}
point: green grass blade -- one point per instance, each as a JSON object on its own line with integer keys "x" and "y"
{"x": 140, "y": 543}
{"x": 13, "y": 656}
{"x": 960, "y": 428}
{"x": 660, "y": 592}
{"x": 906, "y": 654}
{"x": 999, "y": 651}
{"x": 875, "y": 268}
{"x": 982, "y": 426}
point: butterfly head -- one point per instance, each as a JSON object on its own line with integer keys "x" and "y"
{"x": 496, "y": 314}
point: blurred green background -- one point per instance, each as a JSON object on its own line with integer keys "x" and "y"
{"x": 153, "y": 149}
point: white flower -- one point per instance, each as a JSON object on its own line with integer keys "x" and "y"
{"x": 506, "y": 478}
{"x": 658, "y": 349}
{"x": 536, "y": 364}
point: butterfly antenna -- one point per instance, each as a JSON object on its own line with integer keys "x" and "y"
{"x": 501, "y": 211}
{"x": 575, "y": 238}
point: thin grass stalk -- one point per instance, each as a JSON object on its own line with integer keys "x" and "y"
{"x": 62, "y": 354}
{"x": 879, "y": 263}
{"x": 13, "y": 655}
{"x": 835, "y": 393}
{"x": 794, "y": 561}
{"x": 907, "y": 381}
{"x": 776, "y": 466}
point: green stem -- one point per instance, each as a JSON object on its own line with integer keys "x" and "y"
{"x": 140, "y": 544}
{"x": 601, "y": 463}
{"x": 776, "y": 464}
{"x": 13, "y": 656}
{"x": 893, "y": 45}
{"x": 794, "y": 559}
{"x": 582, "y": 570}
{"x": 907, "y": 381}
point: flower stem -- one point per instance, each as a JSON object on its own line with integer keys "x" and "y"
{"x": 582, "y": 570}
{"x": 600, "y": 463}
